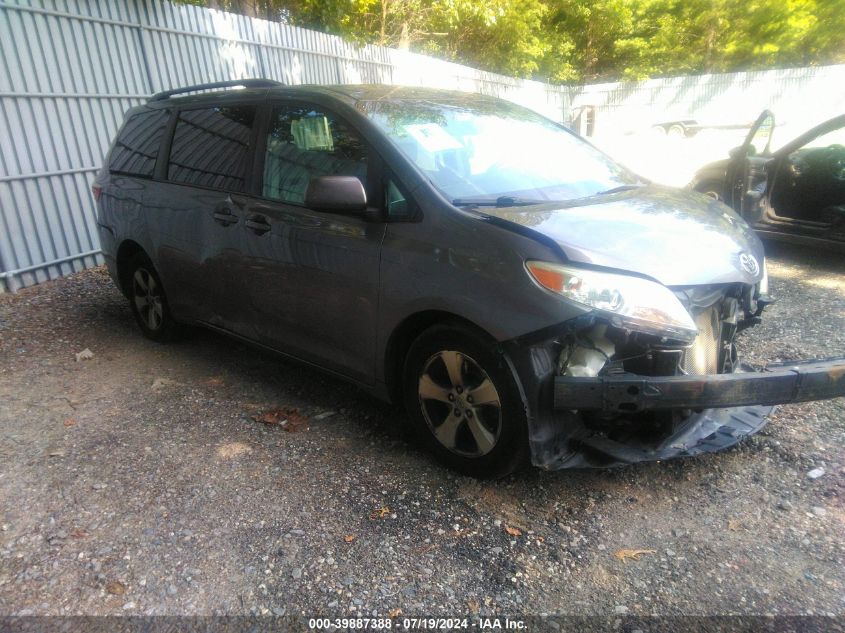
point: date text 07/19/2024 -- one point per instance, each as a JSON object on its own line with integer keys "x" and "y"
{"x": 409, "y": 623}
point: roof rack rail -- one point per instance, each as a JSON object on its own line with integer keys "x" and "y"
{"x": 246, "y": 83}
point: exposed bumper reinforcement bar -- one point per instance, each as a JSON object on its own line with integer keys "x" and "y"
{"x": 778, "y": 383}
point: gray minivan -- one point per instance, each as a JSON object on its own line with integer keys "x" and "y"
{"x": 521, "y": 293}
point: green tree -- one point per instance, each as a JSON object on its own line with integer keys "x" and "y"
{"x": 581, "y": 40}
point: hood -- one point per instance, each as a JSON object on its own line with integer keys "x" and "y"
{"x": 676, "y": 237}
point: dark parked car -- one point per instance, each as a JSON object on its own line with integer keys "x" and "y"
{"x": 521, "y": 293}
{"x": 796, "y": 193}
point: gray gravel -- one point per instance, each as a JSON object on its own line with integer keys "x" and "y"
{"x": 138, "y": 482}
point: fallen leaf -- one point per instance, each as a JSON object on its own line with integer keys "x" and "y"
{"x": 78, "y": 533}
{"x": 161, "y": 383}
{"x": 349, "y": 538}
{"x": 116, "y": 588}
{"x": 232, "y": 449}
{"x": 394, "y": 613}
{"x": 513, "y": 531}
{"x": 85, "y": 354}
{"x": 69, "y": 422}
{"x": 290, "y": 419}
{"x": 633, "y": 554}
{"x": 380, "y": 513}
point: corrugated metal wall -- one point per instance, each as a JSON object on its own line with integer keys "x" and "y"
{"x": 58, "y": 110}
{"x": 69, "y": 69}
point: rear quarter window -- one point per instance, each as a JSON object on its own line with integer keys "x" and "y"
{"x": 212, "y": 147}
{"x": 136, "y": 148}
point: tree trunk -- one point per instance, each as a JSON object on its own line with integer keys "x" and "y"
{"x": 405, "y": 37}
{"x": 383, "y": 29}
{"x": 249, "y": 8}
{"x": 710, "y": 37}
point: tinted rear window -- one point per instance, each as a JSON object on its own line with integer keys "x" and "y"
{"x": 136, "y": 147}
{"x": 211, "y": 147}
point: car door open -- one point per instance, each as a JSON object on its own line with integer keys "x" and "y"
{"x": 809, "y": 177}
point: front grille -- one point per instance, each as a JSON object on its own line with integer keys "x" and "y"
{"x": 703, "y": 357}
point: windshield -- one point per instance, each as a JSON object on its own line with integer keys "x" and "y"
{"x": 484, "y": 150}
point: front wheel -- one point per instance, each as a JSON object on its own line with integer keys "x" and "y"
{"x": 464, "y": 403}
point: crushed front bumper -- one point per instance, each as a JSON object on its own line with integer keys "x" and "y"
{"x": 714, "y": 412}
{"x": 778, "y": 383}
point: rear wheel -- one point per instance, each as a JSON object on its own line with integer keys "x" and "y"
{"x": 676, "y": 131}
{"x": 464, "y": 403}
{"x": 148, "y": 301}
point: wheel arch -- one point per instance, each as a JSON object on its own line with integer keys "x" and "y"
{"x": 404, "y": 334}
{"x": 125, "y": 252}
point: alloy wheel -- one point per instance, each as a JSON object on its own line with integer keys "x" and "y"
{"x": 148, "y": 299}
{"x": 460, "y": 404}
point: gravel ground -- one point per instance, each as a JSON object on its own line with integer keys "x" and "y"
{"x": 138, "y": 482}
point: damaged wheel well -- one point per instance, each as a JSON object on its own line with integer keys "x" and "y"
{"x": 405, "y": 334}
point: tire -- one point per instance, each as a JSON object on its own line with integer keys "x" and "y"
{"x": 676, "y": 131}
{"x": 148, "y": 301}
{"x": 449, "y": 368}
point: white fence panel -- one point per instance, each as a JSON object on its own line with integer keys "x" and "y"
{"x": 723, "y": 106}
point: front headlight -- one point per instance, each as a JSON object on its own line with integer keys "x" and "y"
{"x": 630, "y": 302}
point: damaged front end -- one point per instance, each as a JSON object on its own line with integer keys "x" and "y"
{"x": 621, "y": 396}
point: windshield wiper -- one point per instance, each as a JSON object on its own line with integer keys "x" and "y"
{"x": 501, "y": 201}
{"x": 620, "y": 188}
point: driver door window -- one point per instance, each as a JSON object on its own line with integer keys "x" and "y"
{"x": 304, "y": 142}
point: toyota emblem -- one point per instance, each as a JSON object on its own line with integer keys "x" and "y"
{"x": 749, "y": 263}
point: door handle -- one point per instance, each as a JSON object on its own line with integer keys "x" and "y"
{"x": 257, "y": 224}
{"x": 225, "y": 217}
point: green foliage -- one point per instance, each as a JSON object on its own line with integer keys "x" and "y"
{"x": 581, "y": 40}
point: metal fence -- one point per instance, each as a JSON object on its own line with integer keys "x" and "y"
{"x": 69, "y": 69}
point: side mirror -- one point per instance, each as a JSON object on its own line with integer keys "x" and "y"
{"x": 337, "y": 194}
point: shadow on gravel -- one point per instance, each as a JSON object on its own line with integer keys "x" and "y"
{"x": 209, "y": 352}
{"x": 821, "y": 260}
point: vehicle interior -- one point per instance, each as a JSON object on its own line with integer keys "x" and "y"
{"x": 809, "y": 183}
{"x": 302, "y": 144}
